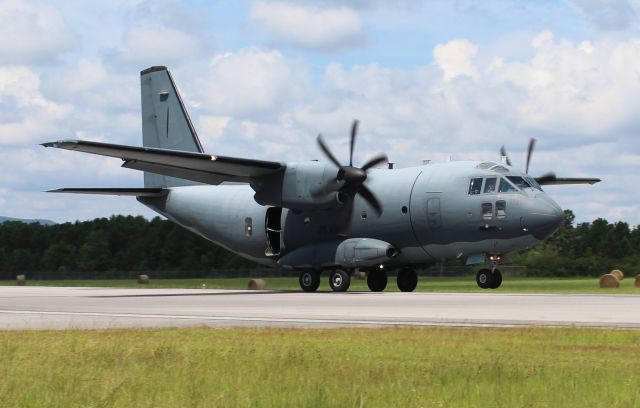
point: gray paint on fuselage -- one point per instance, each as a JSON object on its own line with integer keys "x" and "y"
{"x": 218, "y": 213}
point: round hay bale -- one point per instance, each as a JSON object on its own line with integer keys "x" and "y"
{"x": 21, "y": 280}
{"x": 609, "y": 281}
{"x": 638, "y": 281}
{"x": 359, "y": 275}
{"x": 617, "y": 273}
{"x": 143, "y": 279}
{"x": 257, "y": 284}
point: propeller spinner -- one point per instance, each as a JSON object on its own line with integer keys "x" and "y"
{"x": 350, "y": 180}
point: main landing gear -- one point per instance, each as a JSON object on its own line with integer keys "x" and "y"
{"x": 340, "y": 280}
{"x": 489, "y": 278}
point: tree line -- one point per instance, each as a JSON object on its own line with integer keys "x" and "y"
{"x": 124, "y": 246}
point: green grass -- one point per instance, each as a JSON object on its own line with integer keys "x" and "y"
{"x": 426, "y": 284}
{"x": 404, "y": 367}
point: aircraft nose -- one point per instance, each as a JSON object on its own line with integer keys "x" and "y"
{"x": 545, "y": 219}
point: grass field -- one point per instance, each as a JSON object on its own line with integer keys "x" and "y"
{"x": 404, "y": 367}
{"x": 426, "y": 284}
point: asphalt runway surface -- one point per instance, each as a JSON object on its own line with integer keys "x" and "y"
{"x": 99, "y": 308}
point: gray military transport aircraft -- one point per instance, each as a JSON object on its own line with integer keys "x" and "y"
{"x": 315, "y": 217}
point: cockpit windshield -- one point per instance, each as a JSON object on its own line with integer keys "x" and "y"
{"x": 534, "y": 183}
{"x": 506, "y": 187}
{"x": 520, "y": 182}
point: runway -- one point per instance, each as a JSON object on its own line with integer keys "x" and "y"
{"x": 93, "y": 308}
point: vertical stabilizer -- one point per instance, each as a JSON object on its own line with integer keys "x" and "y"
{"x": 165, "y": 121}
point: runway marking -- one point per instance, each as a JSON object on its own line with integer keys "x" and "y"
{"x": 339, "y": 322}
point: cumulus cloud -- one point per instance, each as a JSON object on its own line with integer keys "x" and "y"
{"x": 149, "y": 44}
{"x": 251, "y": 82}
{"x": 455, "y": 58}
{"x": 309, "y": 26}
{"x": 33, "y": 33}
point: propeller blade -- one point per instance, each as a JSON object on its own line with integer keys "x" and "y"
{"x": 327, "y": 152}
{"x": 354, "y": 131}
{"x": 532, "y": 144}
{"x": 503, "y": 153}
{"x": 375, "y": 161}
{"x": 546, "y": 178}
{"x": 330, "y": 187}
{"x": 368, "y": 196}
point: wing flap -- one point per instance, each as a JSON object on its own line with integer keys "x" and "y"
{"x": 194, "y": 166}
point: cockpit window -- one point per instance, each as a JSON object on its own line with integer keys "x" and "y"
{"x": 519, "y": 182}
{"x": 490, "y": 185}
{"x": 534, "y": 183}
{"x": 475, "y": 186}
{"x": 506, "y": 187}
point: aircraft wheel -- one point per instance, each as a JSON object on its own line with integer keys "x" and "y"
{"x": 376, "y": 280}
{"x": 497, "y": 279}
{"x": 484, "y": 278}
{"x": 407, "y": 280}
{"x": 309, "y": 280}
{"x": 339, "y": 280}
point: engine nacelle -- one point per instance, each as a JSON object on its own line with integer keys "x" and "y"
{"x": 348, "y": 253}
{"x": 293, "y": 188}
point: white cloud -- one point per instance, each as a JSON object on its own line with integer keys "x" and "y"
{"x": 608, "y": 15}
{"x": 309, "y": 26}
{"x": 149, "y": 44}
{"x": 455, "y": 58}
{"x": 250, "y": 82}
{"x": 32, "y": 32}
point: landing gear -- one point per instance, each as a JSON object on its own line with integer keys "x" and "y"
{"x": 376, "y": 280}
{"x": 309, "y": 280}
{"x": 489, "y": 280}
{"x": 339, "y": 280}
{"x": 407, "y": 280}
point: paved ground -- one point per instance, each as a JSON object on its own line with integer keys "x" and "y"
{"x": 62, "y": 308}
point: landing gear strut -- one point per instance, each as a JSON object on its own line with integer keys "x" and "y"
{"x": 407, "y": 280}
{"x": 309, "y": 280}
{"x": 376, "y": 280}
{"x": 339, "y": 280}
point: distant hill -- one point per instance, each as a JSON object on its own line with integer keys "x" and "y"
{"x": 42, "y": 222}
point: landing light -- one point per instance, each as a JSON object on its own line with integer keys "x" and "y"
{"x": 381, "y": 266}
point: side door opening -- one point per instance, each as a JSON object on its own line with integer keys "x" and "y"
{"x": 273, "y": 227}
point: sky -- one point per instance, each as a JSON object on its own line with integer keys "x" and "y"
{"x": 429, "y": 80}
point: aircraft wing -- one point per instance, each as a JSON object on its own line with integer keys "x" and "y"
{"x": 551, "y": 179}
{"x": 200, "y": 167}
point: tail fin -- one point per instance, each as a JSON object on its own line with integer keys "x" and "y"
{"x": 165, "y": 122}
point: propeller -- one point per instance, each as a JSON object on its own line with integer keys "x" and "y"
{"x": 548, "y": 178}
{"x": 532, "y": 144}
{"x": 350, "y": 180}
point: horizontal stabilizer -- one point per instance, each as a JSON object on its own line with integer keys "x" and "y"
{"x": 134, "y": 192}
{"x": 201, "y": 167}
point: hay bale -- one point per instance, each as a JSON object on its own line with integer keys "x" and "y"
{"x": 617, "y": 273}
{"x": 359, "y": 275}
{"x": 638, "y": 281}
{"x": 21, "y": 280}
{"x": 609, "y": 281}
{"x": 257, "y": 284}
{"x": 143, "y": 279}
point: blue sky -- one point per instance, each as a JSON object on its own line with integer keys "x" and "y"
{"x": 428, "y": 80}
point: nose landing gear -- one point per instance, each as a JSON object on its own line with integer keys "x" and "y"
{"x": 490, "y": 278}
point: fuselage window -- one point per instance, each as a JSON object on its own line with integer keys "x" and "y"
{"x": 519, "y": 181}
{"x": 490, "y": 185}
{"x": 487, "y": 211}
{"x": 475, "y": 186}
{"x": 506, "y": 187}
{"x": 501, "y": 209}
